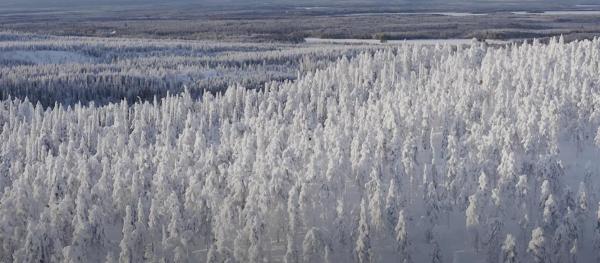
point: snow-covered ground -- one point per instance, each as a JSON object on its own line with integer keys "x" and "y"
{"x": 41, "y": 57}
{"x": 561, "y": 13}
{"x": 450, "y": 41}
{"x": 466, "y": 14}
{"x": 456, "y": 14}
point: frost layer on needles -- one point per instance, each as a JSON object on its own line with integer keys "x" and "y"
{"x": 417, "y": 153}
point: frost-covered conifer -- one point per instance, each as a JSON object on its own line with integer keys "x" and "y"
{"x": 403, "y": 243}
{"x": 472, "y": 221}
{"x": 313, "y": 246}
{"x": 391, "y": 205}
{"x": 126, "y": 244}
{"x": 550, "y": 212}
{"x": 375, "y": 201}
{"x": 538, "y": 246}
{"x": 581, "y": 211}
{"x": 292, "y": 252}
{"x": 509, "y": 250}
{"x": 436, "y": 253}
{"x": 363, "y": 242}
{"x": 596, "y": 239}
{"x": 472, "y": 140}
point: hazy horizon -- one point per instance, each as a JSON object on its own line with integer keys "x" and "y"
{"x": 73, "y": 4}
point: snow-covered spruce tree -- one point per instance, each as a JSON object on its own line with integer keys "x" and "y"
{"x": 313, "y": 246}
{"x": 472, "y": 221}
{"x": 492, "y": 238}
{"x": 596, "y": 239}
{"x": 375, "y": 201}
{"x": 597, "y": 138}
{"x": 436, "y": 253}
{"x": 432, "y": 209}
{"x": 362, "y": 249}
{"x": 246, "y": 173}
{"x": 391, "y": 206}
{"x": 403, "y": 243}
{"x": 508, "y": 172}
{"x": 212, "y": 256}
{"x": 126, "y": 244}
{"x": 560, "y": 244}
{"x": 32, "y": 249}
{"x": 292, "y": 252}
{"x": 550, "y": 213}
{"x": 82, "y": 235}
{"x": 581, "y": 211}
{"x": 509, "y": 250}
{"x": 538, "y": 246}
{"x": 523, "y": 201}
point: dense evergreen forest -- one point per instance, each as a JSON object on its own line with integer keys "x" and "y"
{"x": 409, "y": 153}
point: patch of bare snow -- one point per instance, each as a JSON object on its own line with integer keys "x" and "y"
{"x": 42, "y": 57}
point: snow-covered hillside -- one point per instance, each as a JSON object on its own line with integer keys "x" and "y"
{"x": 68, "y": 70}
{"x": 407, "y": 154}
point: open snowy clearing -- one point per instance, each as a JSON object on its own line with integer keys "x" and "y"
{"x": 44, "y": 57}
{"x": 407, "y": 41}
{"x": 561, "y": 13}
{"x": 455, "y": 14}
{"x": 467, "y": 14}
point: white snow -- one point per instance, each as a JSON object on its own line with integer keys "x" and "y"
{"x": 454, "y": 14}
{"x": 45, "y": 56}
{"x": 560, "y": 13}
{"x": 451, "y": 41}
